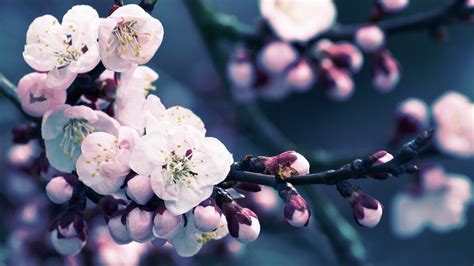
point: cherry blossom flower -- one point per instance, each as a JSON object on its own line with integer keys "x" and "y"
{"x": 183, "y": 165}
{"x": 65, "y": 127}
{"x": 129, "y": 36}
{"x": 370, "y": 38}
{"x": 298, "y": 20}
{"x": 63, "y": 50}
{"x": 130, "y": 98}
{"x": 103, "y": 164}
{"x": 454, "y": 116}
{"x": 36, "y": 97}
{"x": 440, "y": 202}
{"x": 189, "y": 240}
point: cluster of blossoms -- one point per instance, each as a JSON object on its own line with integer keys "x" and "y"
{"x": 293, "y": 57}
{"x": 151, "y": 170}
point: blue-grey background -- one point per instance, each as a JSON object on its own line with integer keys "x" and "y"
{"x": 356, "y": 127}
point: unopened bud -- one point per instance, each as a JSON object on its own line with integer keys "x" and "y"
{"x": 59, "y": 190}
{"x": 207, "y": 215}
{"x": 291, "y": 159}
{"x": 166, "y": 224}
{"x": 337, "y": 82}
{"x": 386, "y": 72}
{"x": 367, "y": 210}
{"x": 139, "y": 189}
{"x": 301, "y": 77}
{"x": 276, "y": 57}
{"x": 119, "y": 231}
{"x": 242, "y": 223}
{"x": 240, "y": 70}
{"x": 69, "y": 235}
{"x": 370, "y": 38}
{"x": 140, "y": 224}
{"x": 296, "y": 210}
{"x": 392, "y": 6}
{"x": 344, "y": 54}
{"x": 412, "y": 116}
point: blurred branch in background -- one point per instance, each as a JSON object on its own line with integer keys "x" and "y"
{"x": 344, "y": 239}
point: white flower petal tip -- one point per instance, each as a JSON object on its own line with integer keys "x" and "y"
{"x": 298, "y": 20}
{"x": 59, "y": 190}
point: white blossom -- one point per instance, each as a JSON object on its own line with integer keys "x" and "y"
{"x": 65, "y": 127}
{"x": 63, "y": 50}
{"x": 104, "y": 162}
{"x": 129, "y": 36}
{"x": 298, "y": 20}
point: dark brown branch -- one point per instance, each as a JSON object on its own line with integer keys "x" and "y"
{"x": 359, "y": 168}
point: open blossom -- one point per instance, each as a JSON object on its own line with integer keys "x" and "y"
{"x": 66, "y": 49}
{"x": 440, "y": 202}
{"x": 103, "y": 164}
{"x": 130, "y": 96}
{"x": 65, "y": 127}
{"x": 36, "y": 97}
{"x": 189, "y": 240}
{"x": 129, "y": 36}
{"x": 454, "y": 116}
{"x": 183, "y": 165}
{"x": 298, "y": 20}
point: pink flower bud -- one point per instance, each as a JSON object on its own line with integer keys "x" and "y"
{"x": 118, "y": 231}
{"x": 380, "y": 158}
{"x": 276, "y": 57}
{"x": 370, "y": 38}
{"x": 69, "y": 235}
{"x": 392, "y": 6}
{"x": 412, "y": 116}
{"x": 297, "y": 212}
{"x": 23, "y": 154}
{"x": 386, "y": 72}
{"x": 242, "y": 223}
{"x": 240, "y": 70}
{"x": 140, "y": 224}
{"x": 338, "y": 83}
{"x": 301, "y": 77}
{"x": 36, "y": 98}
{"x": 289, "y": 158}
{"x": 344, "y": 54}
{"x": 207, "y": 215}
{"x": 139, "y": 189}
{"x": 367, "y": 210}
{"x": 166, "y": 224}
{"x": 59, "y": 190}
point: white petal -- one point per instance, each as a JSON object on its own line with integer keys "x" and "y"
{"x": 60, "y": 78}
{"x": 58, "y": 159}
{"x": 149, "y": 153}
{"x": 54, "y": 122}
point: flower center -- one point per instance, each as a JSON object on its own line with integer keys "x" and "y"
{"x": 206, "y": 237}
{"x": 178, "y": 167}
{"x": 74, "y": 133}
{"x": 67, "y": 56}
{"x": 127, "y": 36}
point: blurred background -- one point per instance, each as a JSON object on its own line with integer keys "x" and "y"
{"x": 353, "y": 128}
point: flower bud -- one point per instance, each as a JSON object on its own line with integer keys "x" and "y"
{"x": 386, "y": 72}
{"x": 344, "y": 54}
{"x": 69, "y": 234}
{"x": 296, "y": 210}
{"x": 118, "y": 231}
{"x": 392, "y": 6}
{"x": 412, "y": 117}
{"x": 140, "y": 224}
{"x": 337, "y": 82}
{"x": 139, "y": 189}
{"x": 370, "y": 38}
{"x": 301, "y": 77}
{"x": 242, "y": 223}
{"x": 291, "y": 159}
{"x": 22, "y": 155}
{"x": 166, "y": 224}
{"x": 276, "y": 57}
{"x": 207, "y": 215}
{"x": 240, "y": 70}
{"x": 367, "y": 210}
{"x": 59, "y": 190}
{"x": 382, "y": 157}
